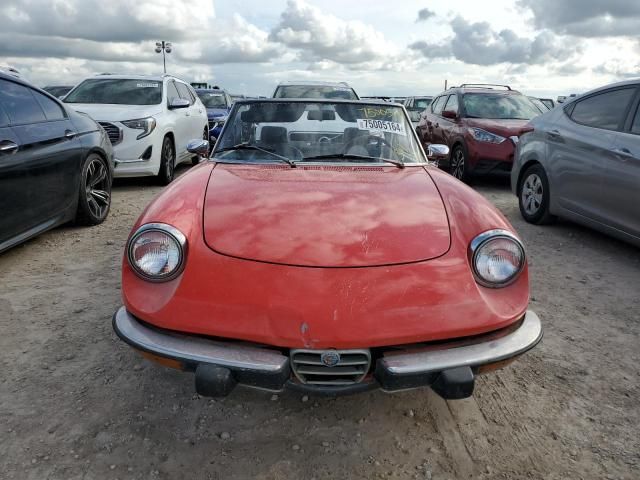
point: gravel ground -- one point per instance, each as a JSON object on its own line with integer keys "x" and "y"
{"x": 76, "y": 403}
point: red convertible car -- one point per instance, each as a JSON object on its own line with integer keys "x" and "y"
{"x": 318, "y": 249}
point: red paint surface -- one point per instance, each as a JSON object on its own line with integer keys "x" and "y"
{"x": 325, "y": 217}
{"x": 301, "y": 306}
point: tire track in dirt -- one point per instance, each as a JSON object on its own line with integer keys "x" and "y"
{"x": 451, "y": 435}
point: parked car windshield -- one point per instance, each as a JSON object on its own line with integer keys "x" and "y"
{"x": 317, "y": 131}
{"x": 422, "y": 103}
{"x": 541, "y": 105}
{"x": 315, "y": 91}
{"x": 496, "y": 106}
{"x": 117, "y": 91}
{"x": 57, "y": 91}
{"x": 212, "y": 99}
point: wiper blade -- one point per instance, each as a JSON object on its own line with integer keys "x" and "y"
{"x": 246, "y": 146}
{"x": 349, "y": 156}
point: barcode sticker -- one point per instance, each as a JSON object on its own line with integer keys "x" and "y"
{"x": 381, "y": 126}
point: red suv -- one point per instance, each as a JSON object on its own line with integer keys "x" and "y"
{"x": 480, "y": 124}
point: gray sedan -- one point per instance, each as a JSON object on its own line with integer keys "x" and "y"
{"x": 582, "y": 162}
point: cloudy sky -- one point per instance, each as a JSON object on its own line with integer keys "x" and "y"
{"x": 542, "y": 47}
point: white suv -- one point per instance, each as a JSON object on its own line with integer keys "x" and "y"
{"x": 149, "y": 120}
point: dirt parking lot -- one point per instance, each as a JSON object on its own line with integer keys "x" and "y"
{"x": 77, "y": 403}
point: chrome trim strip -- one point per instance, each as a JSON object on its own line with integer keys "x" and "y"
{"x": 135, "y": 160}
{"x": 196, "y": 349}
{"x": 515, "y": 343}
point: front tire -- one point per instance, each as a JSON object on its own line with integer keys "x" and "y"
{"x": 94, "y": 198}
{"x": 458, "y": 164}
{"x": 167, "y": 162}
{"x": 533, "y": 196}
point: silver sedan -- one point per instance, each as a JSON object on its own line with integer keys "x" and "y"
{"x": 582, "y": 162}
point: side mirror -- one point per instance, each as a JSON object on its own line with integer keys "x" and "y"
{"x": 414, "y": 115}
{"x": 178, "y": 103}
{"x": 437, "y": 152}
{"x": 449, "y": 114}
{"x": 199, "y": 147}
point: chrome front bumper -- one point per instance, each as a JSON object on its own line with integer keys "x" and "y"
{"x": 449, "y": 367}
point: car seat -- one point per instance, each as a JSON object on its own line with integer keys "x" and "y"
{"x": 275, "y": 138}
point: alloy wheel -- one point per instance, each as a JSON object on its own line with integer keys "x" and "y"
{"x": 457, "y": 164}
{"x": 169, "y": 160}
{"x": 97, "y": 188}
{"x": 532, "y": 194}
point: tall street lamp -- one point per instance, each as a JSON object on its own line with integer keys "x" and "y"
{"x": 163, "y": 47}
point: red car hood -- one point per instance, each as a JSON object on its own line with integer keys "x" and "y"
{"x": 504, "y": 128}
{"x": 325, "y": 216}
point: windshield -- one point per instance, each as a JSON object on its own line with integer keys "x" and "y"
{"x": 540, "y": 104}
{"x": 117, "y": 91}
{"x": 496, "y": 106}
{"x": 315, "y": 91}
{"x": 319, "y": 132}
{"x": 57, "y": 91}
{"x": 422, "y": 102}
{"x": 212, "y": 99}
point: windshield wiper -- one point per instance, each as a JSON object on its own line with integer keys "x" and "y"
{"x": 246, "y": 146}
{"x": 349, "y": 156}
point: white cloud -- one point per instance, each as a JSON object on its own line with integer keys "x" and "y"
{"x": 544, "y": 46}
{"x": 319, "y": 36}
{"x": 586, "y": 18}
{"x": 477, "y": 43}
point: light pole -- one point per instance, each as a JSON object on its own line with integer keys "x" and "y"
{"x": 163, "y": 47}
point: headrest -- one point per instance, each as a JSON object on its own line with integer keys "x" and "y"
{"x": 273, "y": 135}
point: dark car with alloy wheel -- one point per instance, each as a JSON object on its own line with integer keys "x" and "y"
{"x": 56, "y": 165}
{"x": 480, "y": 124}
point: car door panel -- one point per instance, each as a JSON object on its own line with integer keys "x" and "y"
{"x": 179, "y": 119}
{"x": 40, "y": 177}
{"x": 579, "y": 155}
{"x": 14, "y": 204}
{"x": 192, "y": 128}
{"x": 433, "y": 122}
{"x": 53, "y": 154}
{"x": 621, "y": 177}
{"x": 426, "y": 124}
{"x": 448, "y": 126}
{"x": 621, "y": 184}
{"x": 576, "y": 157}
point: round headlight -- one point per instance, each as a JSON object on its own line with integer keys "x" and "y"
{"x": 156, "y": 252}
{"x": 498, "y": 258}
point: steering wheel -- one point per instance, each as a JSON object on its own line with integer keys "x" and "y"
{"x": 365, "y": 141}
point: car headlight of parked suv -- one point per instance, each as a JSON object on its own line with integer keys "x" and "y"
{"x": 497, "y": 258}
{"x": 145, "y": 124}
{"x": 484, "y": 136}
{"x": 217, "y": 121}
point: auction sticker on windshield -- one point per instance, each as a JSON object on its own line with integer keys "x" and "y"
{"x": 147, "y": 85}
{"x": 381, "y": 126}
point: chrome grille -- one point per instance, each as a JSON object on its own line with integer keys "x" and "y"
{"x": 114, "y": 133}
{"x": 309, "y": 368}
